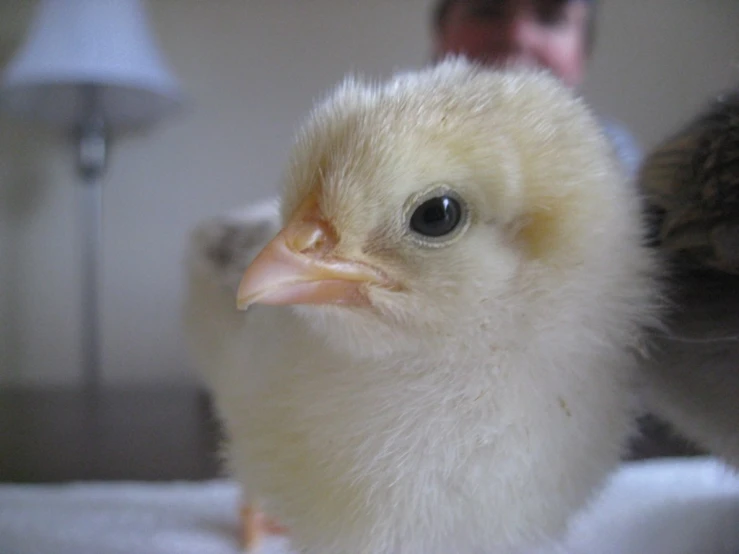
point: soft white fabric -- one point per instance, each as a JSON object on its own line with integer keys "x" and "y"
{"x": 688, "y": 506}
{"x": 657, "y": 507}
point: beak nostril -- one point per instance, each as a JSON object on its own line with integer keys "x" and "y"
{"x": 311, "y": 238}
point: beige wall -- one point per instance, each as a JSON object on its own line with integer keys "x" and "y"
{"x": 252, "y": 69}
{"x": 657, "y": 61}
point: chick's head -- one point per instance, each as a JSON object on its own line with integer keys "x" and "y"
{"x": 443, "y": 202}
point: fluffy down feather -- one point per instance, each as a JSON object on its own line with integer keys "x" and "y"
{"x": 479, "y": 390}
{"x": 691, "y": 182}
{"x": 219, "y": 251}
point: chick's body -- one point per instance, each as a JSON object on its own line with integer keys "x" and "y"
{"x": 474, "y": 390}
{"x": 691, "y": 183}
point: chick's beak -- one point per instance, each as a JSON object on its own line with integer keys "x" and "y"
{"x": 299, "y": 267}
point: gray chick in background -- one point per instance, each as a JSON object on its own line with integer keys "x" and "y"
{"x": 691, "y": 183}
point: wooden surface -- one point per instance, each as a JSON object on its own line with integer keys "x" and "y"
{"x": 138, "y": 434}
{"x": 145, "y": 434}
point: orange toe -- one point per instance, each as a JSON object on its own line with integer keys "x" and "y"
{"x": 255, "y": 526}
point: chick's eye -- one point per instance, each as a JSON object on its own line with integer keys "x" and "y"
{"x": 436, "y": 217}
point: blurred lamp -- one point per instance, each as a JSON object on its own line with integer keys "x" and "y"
{"x": 92, "y": 69}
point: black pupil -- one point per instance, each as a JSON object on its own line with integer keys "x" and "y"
{"x": 436, "y": 217}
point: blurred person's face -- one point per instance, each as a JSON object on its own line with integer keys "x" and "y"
{"x": 544, "y": 33}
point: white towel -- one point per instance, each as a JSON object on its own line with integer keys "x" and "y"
{"x": 680, "y": 506}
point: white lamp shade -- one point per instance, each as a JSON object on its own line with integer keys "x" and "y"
{"x": 74, "y": 47}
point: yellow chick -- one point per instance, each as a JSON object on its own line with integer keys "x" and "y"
{"x": 219, "y": 250}
{"x": 440, "y": 341}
